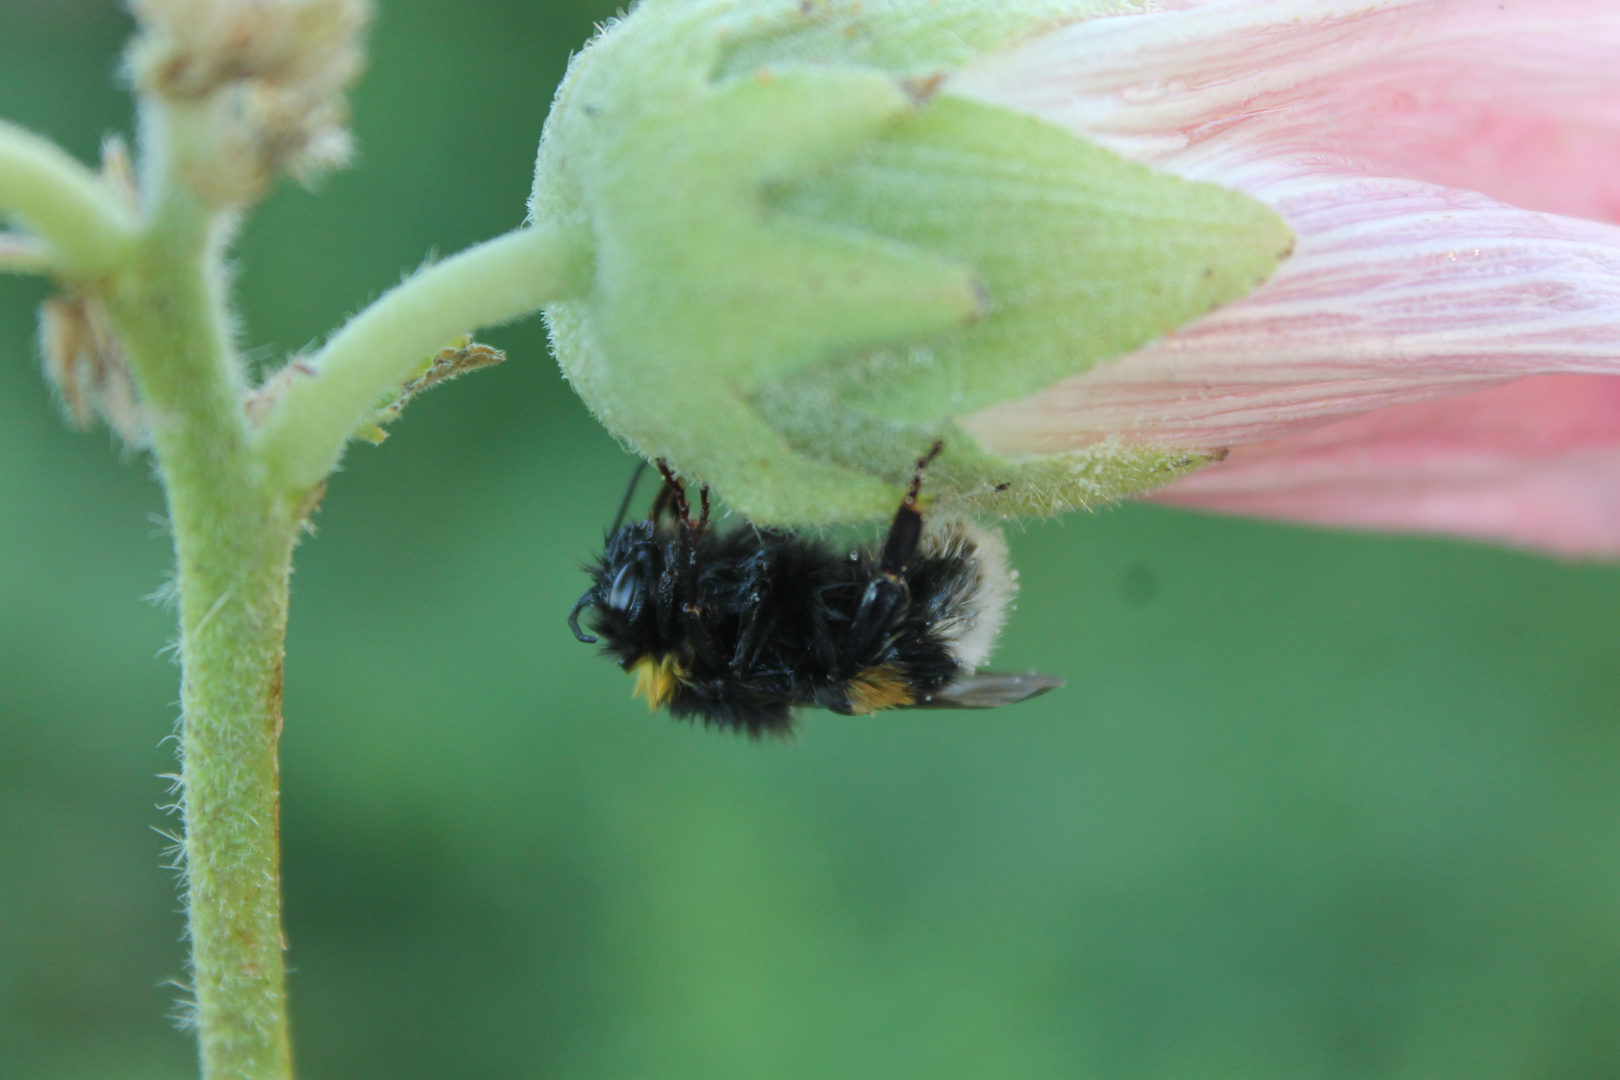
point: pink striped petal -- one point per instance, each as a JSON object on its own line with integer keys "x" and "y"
{"x": 1366, "y": 124}
{"x": 1533, "y": 463}
{"x": 1519, "y": 99}
{"x": 1398, "y": 292}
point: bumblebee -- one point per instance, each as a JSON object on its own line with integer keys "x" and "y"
{"x": 741, "y": 627}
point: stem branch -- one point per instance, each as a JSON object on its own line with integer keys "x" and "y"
{"x": 65, "y": 203}
{"x": 494, "y": 282}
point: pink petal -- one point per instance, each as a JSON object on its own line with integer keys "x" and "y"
{"x": 1533, "y": 463}
{"x": 1519, "y": 99}
{"x": 1398, "y": 292}
{"x": 1363, "y": 124}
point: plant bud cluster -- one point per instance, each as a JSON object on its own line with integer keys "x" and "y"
{"x": 266, "y": 79}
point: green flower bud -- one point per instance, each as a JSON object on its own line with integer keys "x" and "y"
{"x": 811, "y": 257}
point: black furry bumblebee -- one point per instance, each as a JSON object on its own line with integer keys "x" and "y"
{"x": 741, "y": 627}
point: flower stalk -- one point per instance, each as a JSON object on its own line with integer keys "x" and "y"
{"x": 304, "y": 429}
{"x": 233, "y": 541}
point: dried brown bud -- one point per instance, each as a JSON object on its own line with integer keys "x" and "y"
{"x": 268, "y": 76}
{"x": 85, "y": 364}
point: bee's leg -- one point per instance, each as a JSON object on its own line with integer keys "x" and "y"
{"x": 698, "y": 636}
{"x": 670, "y": 591}
{"x": 573, "y": 619}
{"x": 906, "y": 530}
{"x": 672, "y": 494}
{"x": 681, "y": 586}
{"x": 758, "y": 619}
{"x": 692, "y": 585}
{"x": 757, "y": 627}
{"x": 887, "y": 595}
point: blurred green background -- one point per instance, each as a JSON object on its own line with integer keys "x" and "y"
{"x": 1313, "y": 805}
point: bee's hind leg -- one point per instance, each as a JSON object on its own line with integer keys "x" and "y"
{"x": 905, "y": 532}
{"x": 887, "y": 595}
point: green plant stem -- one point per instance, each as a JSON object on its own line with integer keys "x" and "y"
{"x": 89, "y": 233}
{"x": 235, "y": 505}
{"x": 233, "y": 540}
{"x": 497, "y": 281}
{"x": 237, "y": 498}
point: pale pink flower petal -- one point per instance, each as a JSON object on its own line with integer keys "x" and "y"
{"x": 1519, "y": 99}
{"x": 1365, "y": 124}
{"x": 1531, "y": 463}
{"x": 1382, "y": 304}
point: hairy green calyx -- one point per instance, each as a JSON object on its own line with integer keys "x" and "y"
{"x": 811, "y": 257}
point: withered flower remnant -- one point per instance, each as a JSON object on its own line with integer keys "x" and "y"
{"x": 263, "y": 81}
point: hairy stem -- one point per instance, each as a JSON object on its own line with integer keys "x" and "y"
{"x": 497, "y": 281}
{"x": 236, "y": 499}
{"x": 233, "y": 542}
{"x": 89, "y": 233}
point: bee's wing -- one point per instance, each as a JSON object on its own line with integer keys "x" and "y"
{"x": 987, "y": 689}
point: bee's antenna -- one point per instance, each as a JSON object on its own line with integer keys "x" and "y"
{"x": 573, "y": 621}
{"x": 624, "y": 505}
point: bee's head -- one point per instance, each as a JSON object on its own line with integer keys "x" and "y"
{"x": 620, "y": 596}
{"x": 622, "y": 603}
